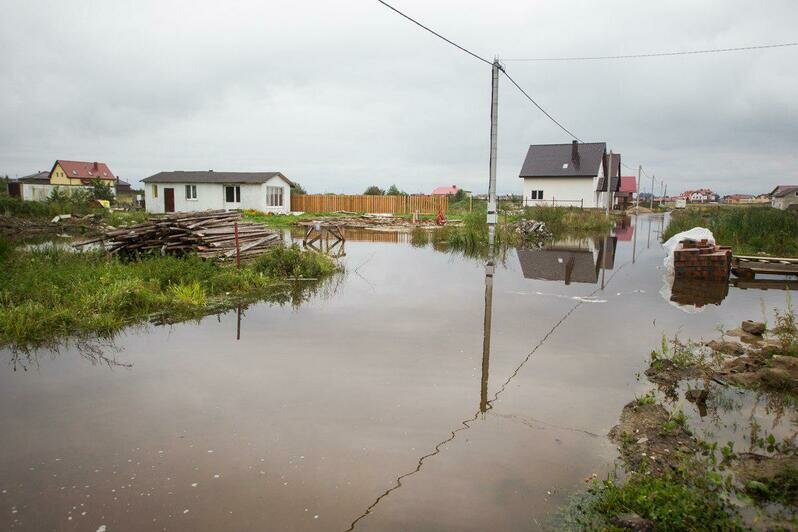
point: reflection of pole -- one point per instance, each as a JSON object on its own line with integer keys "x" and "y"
{"x": 648, "y": 244}
{"x": 483, "y": 395}
{"x": 604, "y": 261}
{"x": 238, "y": 322}
{"x": 634, "y": 241}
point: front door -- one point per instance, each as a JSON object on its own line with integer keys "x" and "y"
{"x": 169, "y": 200}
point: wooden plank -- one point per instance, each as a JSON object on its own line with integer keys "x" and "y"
{"x": 788, "y": 260}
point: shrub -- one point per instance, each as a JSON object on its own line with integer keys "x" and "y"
{"x": 294, "y": 262}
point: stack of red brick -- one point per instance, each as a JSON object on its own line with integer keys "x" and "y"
{"x": 702, "y": 260}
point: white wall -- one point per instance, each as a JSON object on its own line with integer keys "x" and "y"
{"x": 35, "y": 192}
{"x": 575, "y": 189}
{"x": 212, "y": 196}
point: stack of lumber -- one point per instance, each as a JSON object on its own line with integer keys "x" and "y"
{"x": 702, "y": 260}
{"x": 211, "y": 234}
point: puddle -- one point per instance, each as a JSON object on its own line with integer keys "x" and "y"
{"x": 376, "y": 406}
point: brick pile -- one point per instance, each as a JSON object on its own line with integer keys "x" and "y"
{"x": 702, "y": 260}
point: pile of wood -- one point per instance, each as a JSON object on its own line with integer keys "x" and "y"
{"x": 702, "y": 260}
{"x": 211, "y": 234}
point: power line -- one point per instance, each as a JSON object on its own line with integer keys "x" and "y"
{"x": 542, "y": 110}
{"x": 414, "y": 21}
{"x": 659, "y": 54}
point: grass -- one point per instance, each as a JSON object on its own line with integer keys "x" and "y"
{"x": 748, "y": 231}
{"x": 671, "y": 504}
{"x": 783, "y": 488}
{"x": 571, "y": 221}
{"x": 51, "y": 294}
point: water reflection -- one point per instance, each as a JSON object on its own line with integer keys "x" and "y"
{"x": 574, "y": 260}
{"x": 483, "y": 394}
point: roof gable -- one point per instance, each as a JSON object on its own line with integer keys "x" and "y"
{"x": 556, "y": 160}
{"x": 84, "y": 169}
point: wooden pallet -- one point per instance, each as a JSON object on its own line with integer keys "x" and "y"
{"x": 746, "y": 266}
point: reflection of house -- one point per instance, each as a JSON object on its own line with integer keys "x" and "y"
{"x": 784, "y": 197}
{"x": 64, "y": 176}
{"x": 624, "y": 230}
{"x": 578, "y": 261}
{"x": 202, "y": 190}
{"x": 568, "y": 174}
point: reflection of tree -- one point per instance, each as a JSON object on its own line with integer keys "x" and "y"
{"x": 98, "y": 351}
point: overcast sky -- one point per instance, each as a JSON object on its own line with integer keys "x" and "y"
{"x": 341, "y": 95}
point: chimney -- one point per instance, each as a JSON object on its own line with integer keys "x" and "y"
{"x": 575, "y": 152}
{"x": 94, "y": 166}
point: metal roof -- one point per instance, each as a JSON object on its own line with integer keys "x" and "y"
{"x": 210, "y": 176}
{"x": 556, "y": 160}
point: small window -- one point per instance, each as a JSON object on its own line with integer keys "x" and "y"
{"x": 191, "y": 192}
{"x": 564, "y": 166}
{"x": 232, "y": 194}
{"x": 533, "y": 194}
{"x": 274, "y": 196}
{"x": 155, "y": 191}
{"x": 540, "y": 194}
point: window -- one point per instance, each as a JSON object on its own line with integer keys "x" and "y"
{"x": 540, "y": 194}
{"x": 274, "y": 196}
{"x": 534, "y": 195}
{"x": 155, "y": 191}
{"x": 232, "y": 194}
{"x": 191, "y": 192}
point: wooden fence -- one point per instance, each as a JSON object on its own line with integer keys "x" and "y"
{"x": 372, "y": 204}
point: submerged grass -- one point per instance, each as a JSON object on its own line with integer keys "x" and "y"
{"x": 571, "y": 221}
{"x": 747, "y": 230}
{"x": 49, "y": 294}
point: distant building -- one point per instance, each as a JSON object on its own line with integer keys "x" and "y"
{"x": 625, "y": 195}
{"x": 568, "y": 174}
{"x": 66, "y": 176}
{"x": 185, "y": 191}
{"x": 702, "y": 195}
{"x": 446, "y": 191}
{"x": 784, "y": 197}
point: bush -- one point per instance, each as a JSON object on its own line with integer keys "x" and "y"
{"x": 748, "y": 230}
{"x": 374, "y": 190}
{"x": 294, "y": 262}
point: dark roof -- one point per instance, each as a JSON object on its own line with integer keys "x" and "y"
{"x": 38, "y": 177}
{"x": 209, "y": 176}
{"x": 601, "y": 186}
{"x": 547, "y": 160}
{"x": 783, "y": 190}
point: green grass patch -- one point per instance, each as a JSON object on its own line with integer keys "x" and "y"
{"x": 748, "y": 231}
{"x": 571, "y": 221}
{"x": 783, "y": 488}
{"x": 50, "y": 294}
{"x": 669, "y": 503}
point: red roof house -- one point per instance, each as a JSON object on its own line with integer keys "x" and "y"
{"x": 446, "y": 191}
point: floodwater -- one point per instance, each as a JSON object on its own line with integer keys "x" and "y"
{"x": 374, "y": 406}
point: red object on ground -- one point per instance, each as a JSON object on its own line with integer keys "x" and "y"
{"x": 440, "y": 219}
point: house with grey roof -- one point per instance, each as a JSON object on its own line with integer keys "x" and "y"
{"x": 570, "y": 175}
{"x": 185, "y": 191}
{"x": 784, "y": 197}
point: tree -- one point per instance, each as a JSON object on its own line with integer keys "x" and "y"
{"x": 393, "y": 191}
{"x": 374, "y": 190}
{"x": 460, "y": 195}
{"x": 297, "y": 189}
{"x": 101, "y": 191}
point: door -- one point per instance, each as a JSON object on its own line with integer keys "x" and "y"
{"x": 169, "y": 200}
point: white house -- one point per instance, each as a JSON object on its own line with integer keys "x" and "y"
{"x": 202, "y": 190}
{"x": 569, "y": 175}
{"x": 784, "y": 197}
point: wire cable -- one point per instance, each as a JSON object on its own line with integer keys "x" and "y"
{"x": 542, "y": 110}
{"x": 658, "y": 54}
{"x": 414, "y": 21}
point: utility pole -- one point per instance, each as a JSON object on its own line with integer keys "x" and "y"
{"x": 492, "y": 219}
{"x": 609, "y": 182}
{"x": 637, "y": 186}
{"x": 651, "y": 203}
{"x": 494, "y": 123}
